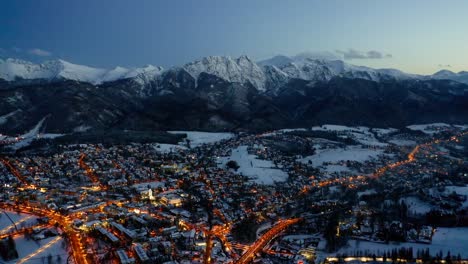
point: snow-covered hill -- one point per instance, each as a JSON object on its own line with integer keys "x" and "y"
{"x": 449, "y": 75}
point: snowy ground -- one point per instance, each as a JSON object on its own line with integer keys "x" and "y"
{"x": 198, "y": 138}
{"x": 53, "y": 246}
{"x": 430, "y": 129}
{"x": 416, "y": 206}
{"x": 282, "y": 131}
{"x": 261, "y": 171}
{"x": 461, "y": 190}
{"x": 19, "y": 219}
{"x": 336, "y": 168}
{"x": 152, "y": 185}
{"x": 363, "y": 135}
{"x": 27, "y": 138}
{"x": 366, "y": 192}
{"x": 4, "y": 118}
{"x": 454, "y": 240}
{"x": 403, "y": 142}
{"x": 353, "y": 153}
{"x": 167, "y": 148}
{"x": 50, "y": 135}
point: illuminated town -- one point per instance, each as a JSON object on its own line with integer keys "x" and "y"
{"x": 318, "y": 195}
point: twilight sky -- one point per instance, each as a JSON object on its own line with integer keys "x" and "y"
{"x": 417, "y": 36}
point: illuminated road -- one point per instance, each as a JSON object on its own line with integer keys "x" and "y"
{"x": 89, "y": 171}
{"x": 75, "y": 239}
{"x": 219, "y": 231}
{"x": 21, "y": 231}
{"x": 15, "y": 171}
{"x": 258, "y": 246}
{"x": 410, "y": 158}
{"x": 352, "y": 181}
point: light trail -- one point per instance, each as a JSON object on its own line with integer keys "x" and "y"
{"x": 258, "y": 245}
{"x": 6, "y": 229}
{"x": 39, "y": 251}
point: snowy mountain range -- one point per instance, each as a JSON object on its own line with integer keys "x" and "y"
{"x": 449, "y": 75}
{"x": 266, "y": 75}
{"x": 224, "y": 93}
{"x": 13, "y": 69}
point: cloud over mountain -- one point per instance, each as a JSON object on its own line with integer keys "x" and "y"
{"x": 40, "y": 52}
{"x": 352, "y": 54}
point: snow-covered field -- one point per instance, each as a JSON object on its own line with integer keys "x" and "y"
{"x": 25, "y": 247}
{"x": 430, "y": 129}
{"x": 53, "y": 246}
{"x": 367, "y": 192}
{"x": 363, "y": 135}
{"x": 403, "y": 142}
{"x": 282, "y": 131}
{"x": 353, "y": 153}
{"x": 261, "y": 171}
{"x": 166, "y": 148}
{"x": 454, "y": 240}
{"x": 336, "y": 168}
{"x": 198, "y": 138}
{"x": 461, "y": 190}
{"x": 416, "y": 206}
{"x": 19, "y": 219}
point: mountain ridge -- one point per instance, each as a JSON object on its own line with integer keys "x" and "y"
{"x": 242, "y": 69}
{"x": 222, "y": 93}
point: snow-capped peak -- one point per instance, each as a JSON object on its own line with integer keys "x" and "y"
{"x": 311, "y": 68}
{"x": 461, "y": 76}
{"x": 444, "y": 74}
{"x": 11, "y": 69}
{"x": 241, "y": 70}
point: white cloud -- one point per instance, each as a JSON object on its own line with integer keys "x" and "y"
{"x": 352, "y": 54}
{"x": 322, "y": 55}
{"x": 40, "y": 52}
{"x": 445, "y": 66}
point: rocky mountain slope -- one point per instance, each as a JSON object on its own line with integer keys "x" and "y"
{"x": 221, "y": 93}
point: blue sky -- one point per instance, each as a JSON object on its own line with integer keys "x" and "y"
{"x": 419, "y": 36}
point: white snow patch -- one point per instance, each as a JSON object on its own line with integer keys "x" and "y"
{"x": 28, "y": 137}
{"x": 4, "y": 118}
{"x": 198, "y": 138}
{"x": 50, "y": 135}
{"x": 454, "y": 240}
{"x": 430, "y": 129}
{"x": 353, "y": 153}
{"x": 416, "y": 206}
{"x": 81, "y": 128}
{"x": 363, "y": 135}
{"x": 261, "y": 171}
{"x": 366, "y": 192}
{"x": 20, "y": 220}
{"x": 460, "y": 190}
{"x": 167, "y": 148}
{"x": 403, "y": 142}
{"x": 26, "y": 247}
